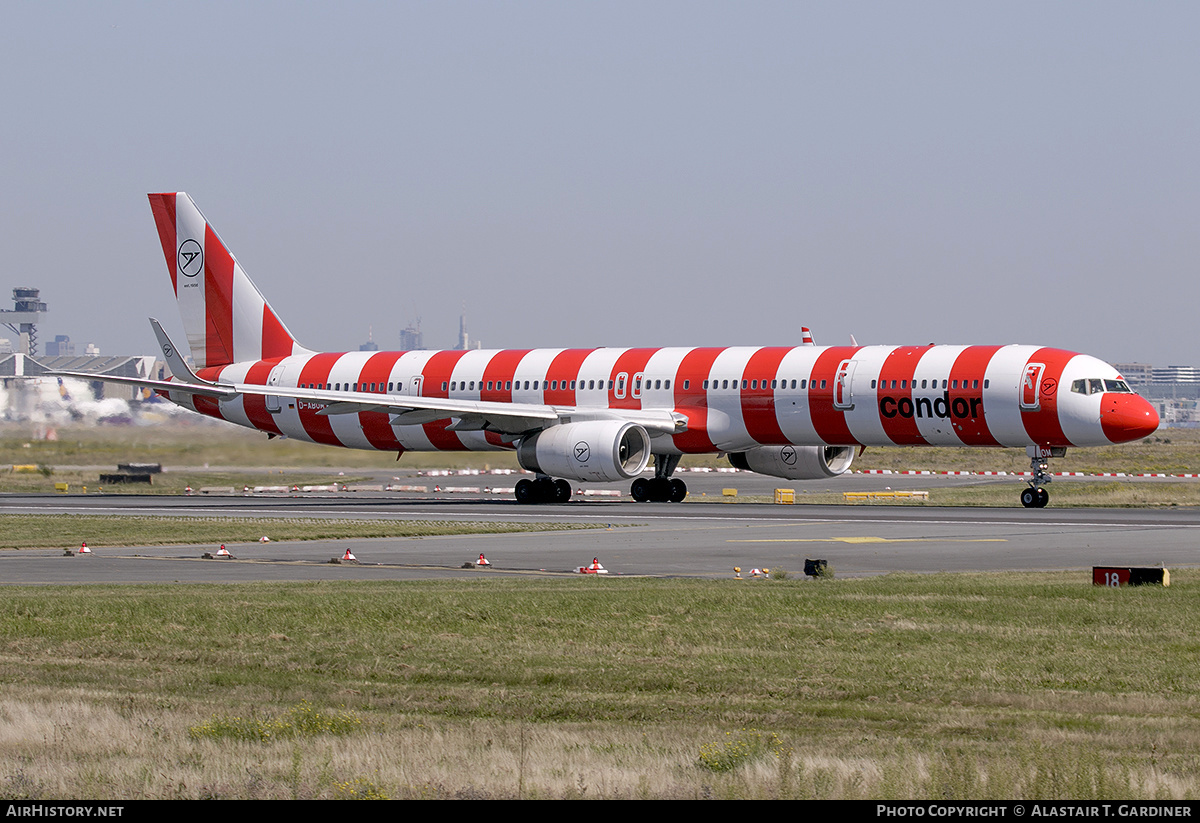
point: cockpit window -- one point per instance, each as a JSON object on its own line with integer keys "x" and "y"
{"x": 1096, "y": 386}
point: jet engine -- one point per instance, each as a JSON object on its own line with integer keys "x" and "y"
{"x": 795, "y": 462}
{"x": 597, "y": 450}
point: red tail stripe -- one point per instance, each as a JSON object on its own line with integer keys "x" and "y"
{"x": 218, "y": 301}
{"x": 163, "y": 207}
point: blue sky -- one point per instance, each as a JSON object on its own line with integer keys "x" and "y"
{"x": 651, "y": 173}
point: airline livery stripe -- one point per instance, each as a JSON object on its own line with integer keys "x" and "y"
{"x": 969, "y": 372}
{"x": 276, "y": 342}
{"x": 626, "y": 375}
{"x": 315, "y": 372}
{"x": 1043, "y": 426}
{"x": 829, "y": 422}
{"x": 218, "y": 301}
{"x": 256, "y": 405}
{"x": 564, "y": 370}
{"x": 498, "y": 375}
{"x": 376, "y": 428}
{"x": 438, "y": 371}
{"x": 897, "y": 411}
{"x": 758, "y": 397}
{"x": 692, "y": 402}
{"x": 163, "y": 206}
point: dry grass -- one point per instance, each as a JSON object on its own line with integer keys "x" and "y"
{"x": 966, "y": 686}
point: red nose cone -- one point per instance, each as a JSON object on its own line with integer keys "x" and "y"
{"x": 1126, "y": 417}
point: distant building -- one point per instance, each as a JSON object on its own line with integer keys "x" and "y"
{"x": 370, "y": 345}
{"x": 1136, "y": 374}
{"x": 60, "y": 346}
{"x": 410, "y": 338}
{"x": 1188, "y": 375}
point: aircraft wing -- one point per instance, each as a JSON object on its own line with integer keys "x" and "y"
{"x": 506, "y": 418}
{"x": 512, "y": 419}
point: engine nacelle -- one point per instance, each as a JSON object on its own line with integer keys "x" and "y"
{"x": 598, "y": 450}
{"x": 795, "y": 462}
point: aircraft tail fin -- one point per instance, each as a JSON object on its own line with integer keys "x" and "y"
{"x": 225, "y": 317}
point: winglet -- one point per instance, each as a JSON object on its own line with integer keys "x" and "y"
{"x": 175, "y": 362}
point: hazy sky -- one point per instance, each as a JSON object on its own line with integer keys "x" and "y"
{"x": 609, "y": 173}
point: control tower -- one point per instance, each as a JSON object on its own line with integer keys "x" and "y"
{"x": 23, "y": 319}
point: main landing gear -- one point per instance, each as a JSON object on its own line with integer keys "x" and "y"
{"x": 543, "y": 490}
{"x": 1036, "y": 497}
{"x": 662, "y": 488}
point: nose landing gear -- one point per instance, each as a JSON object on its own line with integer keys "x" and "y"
{"x": 1036, "y": 497}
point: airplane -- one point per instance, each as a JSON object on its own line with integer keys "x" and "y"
{"x": 599, "y": 415}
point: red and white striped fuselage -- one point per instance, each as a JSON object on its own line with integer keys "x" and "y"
{"x": 733, "y": 399}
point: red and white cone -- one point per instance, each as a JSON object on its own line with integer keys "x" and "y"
{"x": 84, "y": 549}
{"x": 483, "y": 561}
{"x": 348, "y": 556}
{"x": 264, "y": 539}
{"x": 595, "y": 568}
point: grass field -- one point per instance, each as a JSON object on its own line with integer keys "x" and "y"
{"x": 940, "y": 687}
{"x": 232, "y": 457}
{"x": 206, "y": 443}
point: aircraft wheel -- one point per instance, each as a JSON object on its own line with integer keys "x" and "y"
{"x": 678, "y": 490}
{"x": 640, "y": 490}
{"x": 1029, "y": 498}
{"x": 525, "y": 491}
{"x": 1043, "y": 497}
{"x": 660, "y": 490}
{"x": 562, "y": 491}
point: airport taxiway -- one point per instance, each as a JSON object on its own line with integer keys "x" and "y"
{"x": 695, "y": 539}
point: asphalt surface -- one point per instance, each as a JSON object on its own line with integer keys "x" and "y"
{"x": 693, "y": 539}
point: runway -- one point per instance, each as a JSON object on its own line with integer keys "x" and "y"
{"x": 700, "y": 539}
